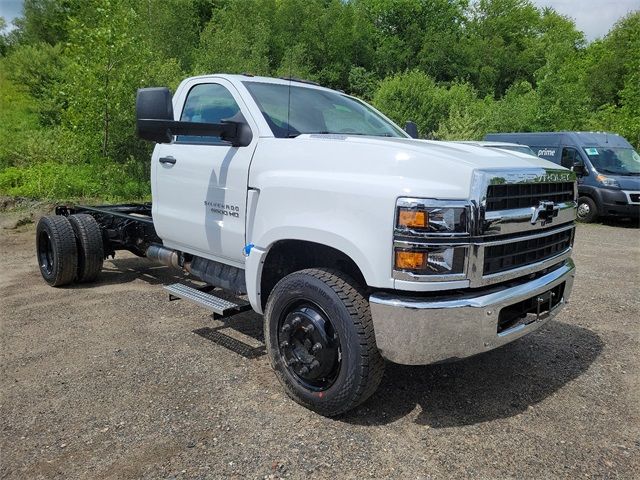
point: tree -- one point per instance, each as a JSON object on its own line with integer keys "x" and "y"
{"x": 564, "y": 101}
{"x": 109, "y": 59}
{"x": 417, "y": 97}
{"x": 497, "y": 45}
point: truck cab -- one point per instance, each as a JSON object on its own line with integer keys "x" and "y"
{"x": 356, "y": 242}
{"x": 607, "y": 166}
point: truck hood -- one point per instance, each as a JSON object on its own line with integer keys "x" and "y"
{"x": 406, "y": 166}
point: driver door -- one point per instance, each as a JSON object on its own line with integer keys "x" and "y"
{"x": 200, "y": 183}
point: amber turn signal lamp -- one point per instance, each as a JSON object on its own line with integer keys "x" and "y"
{"x": 410, "y": 260}
{"x": 410, "y": 218}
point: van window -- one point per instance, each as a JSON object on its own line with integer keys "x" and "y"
{"x": 614, "y": 160}
{"x": 569, "y": 157}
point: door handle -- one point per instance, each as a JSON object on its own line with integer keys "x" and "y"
{"x": 168, "y": 159}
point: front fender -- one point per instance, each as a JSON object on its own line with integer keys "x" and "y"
{"x": 358, "y": 253}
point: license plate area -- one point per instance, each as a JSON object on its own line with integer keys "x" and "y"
{"x": 538, "y": 307}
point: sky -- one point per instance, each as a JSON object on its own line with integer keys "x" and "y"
{"x": 594, "y": 17}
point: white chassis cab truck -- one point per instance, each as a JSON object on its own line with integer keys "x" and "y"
{"x": 357, "y": 242}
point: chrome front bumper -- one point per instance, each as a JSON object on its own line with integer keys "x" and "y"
{"x": 418, "y": 331}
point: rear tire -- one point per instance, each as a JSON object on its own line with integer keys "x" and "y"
{"x": 56, "y": 250}
{"x": 320, "y": 341}
{"x": 587, "y": 210}
{"x": 90, "y": 248}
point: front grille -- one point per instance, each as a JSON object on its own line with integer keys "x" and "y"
{"x": 507, "y": 256}
{"x": 635, "y": 197}
{"x": 525, "y": 195}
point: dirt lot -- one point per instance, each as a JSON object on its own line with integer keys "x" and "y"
{"x": 113, "y": 381}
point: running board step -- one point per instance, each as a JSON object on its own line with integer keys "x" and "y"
{"x": 220, "y": 306}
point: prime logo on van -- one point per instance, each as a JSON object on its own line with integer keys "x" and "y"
{"x": 547, "y": 152}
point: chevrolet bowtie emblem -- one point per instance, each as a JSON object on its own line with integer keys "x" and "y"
{"x": 545, "y": 211}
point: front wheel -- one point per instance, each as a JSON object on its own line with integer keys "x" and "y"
{"x": 320, "y": 341}
{"x": 587, "y": 210}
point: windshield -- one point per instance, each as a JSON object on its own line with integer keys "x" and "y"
{"x": 515, "y": 148}
{"x": 293, "y": 110}
{"x": 614, "y": 160}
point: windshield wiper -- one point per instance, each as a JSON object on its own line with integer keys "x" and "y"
{"x": 294, "y": 135}
{"x": 326, "y": 132}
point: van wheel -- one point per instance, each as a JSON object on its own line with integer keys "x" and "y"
{"x": 320, "y": 341}
{"x": 56, "y": 250}
{"x": 587, "y": 210}
{"x": 90, "y": 249}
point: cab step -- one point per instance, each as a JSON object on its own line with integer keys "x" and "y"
{"x": 221, "y": 307}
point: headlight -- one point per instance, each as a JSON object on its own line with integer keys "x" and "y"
{"x": 421, "y": 227}
{"x": 608, "y": 181}
{"x": 416, "y": 216}
{"x": 430, "y": 260}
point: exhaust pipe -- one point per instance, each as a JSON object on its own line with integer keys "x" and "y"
{"x": 164, "y": 255}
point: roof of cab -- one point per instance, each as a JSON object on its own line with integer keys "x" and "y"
{"x": 246, "y": 77}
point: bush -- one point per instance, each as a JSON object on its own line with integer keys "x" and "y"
{"x": 65, "y": 181}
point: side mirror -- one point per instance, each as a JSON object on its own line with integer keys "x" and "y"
{"x": 153, "y": 106}
{"x": 579, "y": 169}
{"x": 412, "y": 129}
{"x": 154, "y": 121}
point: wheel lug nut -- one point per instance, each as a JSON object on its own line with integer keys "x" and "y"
{"x": 304, "y": 370}
{"x": 309, "y": 329}
{"x": 296, "y": 321}
{"x": 284, "y": 344}
{"x": 314, "y": 364}
{"x": 285, "y": 328}
{"x": 316, "y": 348}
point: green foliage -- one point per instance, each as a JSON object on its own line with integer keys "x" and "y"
{"x": 613, "y": 79}
{"x": 54, "y": 180}
{"x": 458, "y": 68}
{"x": 517, "y": 111}
{"x": 459, "y": 125}
{"x": 417, "y": 97}
{"x": 4, "y": 44}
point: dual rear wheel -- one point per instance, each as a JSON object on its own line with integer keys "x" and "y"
{"x": 69, "y": 249}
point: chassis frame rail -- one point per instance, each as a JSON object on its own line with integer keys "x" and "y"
{"x": 124, "y": 227}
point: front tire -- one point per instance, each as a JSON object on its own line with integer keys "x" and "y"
{"x": 56, "y": 250}
{"x": 587, "y": 210}
{"x": 320, "y": 341}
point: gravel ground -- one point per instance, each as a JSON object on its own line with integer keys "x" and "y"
{"x": 113, "y": 381}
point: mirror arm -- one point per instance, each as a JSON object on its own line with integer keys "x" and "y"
{"x": 226, "y": 130}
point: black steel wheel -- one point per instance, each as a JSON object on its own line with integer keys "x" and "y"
{"x": 320, "y": 341}
{"x": 587, "y": 210}
{"x": 309, "y": 344}
{"x": 56, "y": 250}
{"x": 89, "y": 244}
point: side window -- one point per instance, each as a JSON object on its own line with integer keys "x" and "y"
{"x": 207, "y": 103}
{"x": 569, "y": 157}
